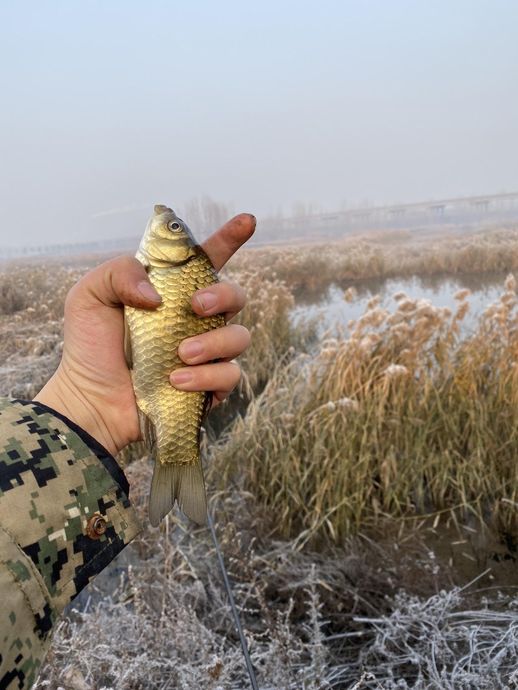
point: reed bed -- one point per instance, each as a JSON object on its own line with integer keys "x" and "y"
{"x": 399, "y": 417}
{"x": 310, "y": 268}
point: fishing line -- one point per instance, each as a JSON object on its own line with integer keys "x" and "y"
{"x": 235, "y": 612}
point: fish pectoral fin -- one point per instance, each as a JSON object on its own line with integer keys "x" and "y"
{"x": 128, "y": 352}
{"x": 178, "y": 482}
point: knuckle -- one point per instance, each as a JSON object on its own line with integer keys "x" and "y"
{"x": 229, "y": 340}
{"x": 215, "y": 340}
{"x": 126, "y": 268}
{"x": 70, "y": 299}
{"x": 223, "y": 376}
{"x": 226, "y": 292}
{"x": 244, "y": 333}
{"x": 241, "y": 337}
{"x": 239, "y": 294}
{"x": 125, "y": 261}
{"x": 235, "y": 373}
{"x": 233, "y": 294}
{"x": 115, "y": 265}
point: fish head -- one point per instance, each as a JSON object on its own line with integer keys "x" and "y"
{"x": 167, "y": 240}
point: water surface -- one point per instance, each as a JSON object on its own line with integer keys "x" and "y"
{"x": 331, "y": 308}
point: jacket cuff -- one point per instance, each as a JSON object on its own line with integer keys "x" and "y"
{"x": 63, "y": 500}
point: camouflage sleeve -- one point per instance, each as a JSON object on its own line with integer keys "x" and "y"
{"x": 64, "y": 515}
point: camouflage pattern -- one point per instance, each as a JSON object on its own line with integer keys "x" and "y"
{"x": 55, "y": 483}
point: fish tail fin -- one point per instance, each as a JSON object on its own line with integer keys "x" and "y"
{"x": 178, "y": 482}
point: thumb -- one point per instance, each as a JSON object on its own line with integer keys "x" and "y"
{"x": 120, "y": 281}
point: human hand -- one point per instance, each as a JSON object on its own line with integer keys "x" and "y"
{"x": 92, "y": 385}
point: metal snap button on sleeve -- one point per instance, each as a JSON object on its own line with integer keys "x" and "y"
{"x": 96, "y": 526}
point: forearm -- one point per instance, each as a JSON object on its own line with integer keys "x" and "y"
{"x": 64, "y": 515}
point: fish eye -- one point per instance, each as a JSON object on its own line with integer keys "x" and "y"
{"x": 174, "y": 226}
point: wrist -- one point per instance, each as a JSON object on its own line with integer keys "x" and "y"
{"x": 61, "y": 395}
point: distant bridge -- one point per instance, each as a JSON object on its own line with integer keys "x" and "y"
{"x": 454, "y": 210}
{"x": 451, "y": 209}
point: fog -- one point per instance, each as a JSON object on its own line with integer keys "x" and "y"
{"x": 110, "y": 107}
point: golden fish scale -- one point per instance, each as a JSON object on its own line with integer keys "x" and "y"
{"x": 155, "y": 336}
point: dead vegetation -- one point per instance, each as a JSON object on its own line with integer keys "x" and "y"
{"x": 312, "y": 267}
{"x": 160, "y": 619}
{"x": 397, "y": 418}
{"x": 12, "y": 297}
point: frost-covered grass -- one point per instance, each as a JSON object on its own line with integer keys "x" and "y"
{"x": 159, "y": 618}
{"x": 398, "y": 417}
{"x": 313, "y": 621}
{"x": 437, "y": 644}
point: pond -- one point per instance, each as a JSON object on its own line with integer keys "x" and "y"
{"x": 332, "y": 309}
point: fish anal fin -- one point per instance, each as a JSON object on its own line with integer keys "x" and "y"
{"x": 207, "y": 404}
{"x": 147, "y": 431}
{"x": 178, "y": 482}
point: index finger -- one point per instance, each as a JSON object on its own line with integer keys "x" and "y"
{"x": 220, "y": 246}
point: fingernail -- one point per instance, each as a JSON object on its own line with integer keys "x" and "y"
{"x": 178, "y": 377}
{"x": 148, "y": 291}
{"x": 206, "y": 300}
{"x": 190, "y": 349}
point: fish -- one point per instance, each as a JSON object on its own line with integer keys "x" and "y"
{"x": 170, "y": 419}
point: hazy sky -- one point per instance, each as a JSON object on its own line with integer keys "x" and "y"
{"x": 113, "y": 104}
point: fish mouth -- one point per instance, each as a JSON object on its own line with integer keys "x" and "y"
{"x": 162, "y": 208}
